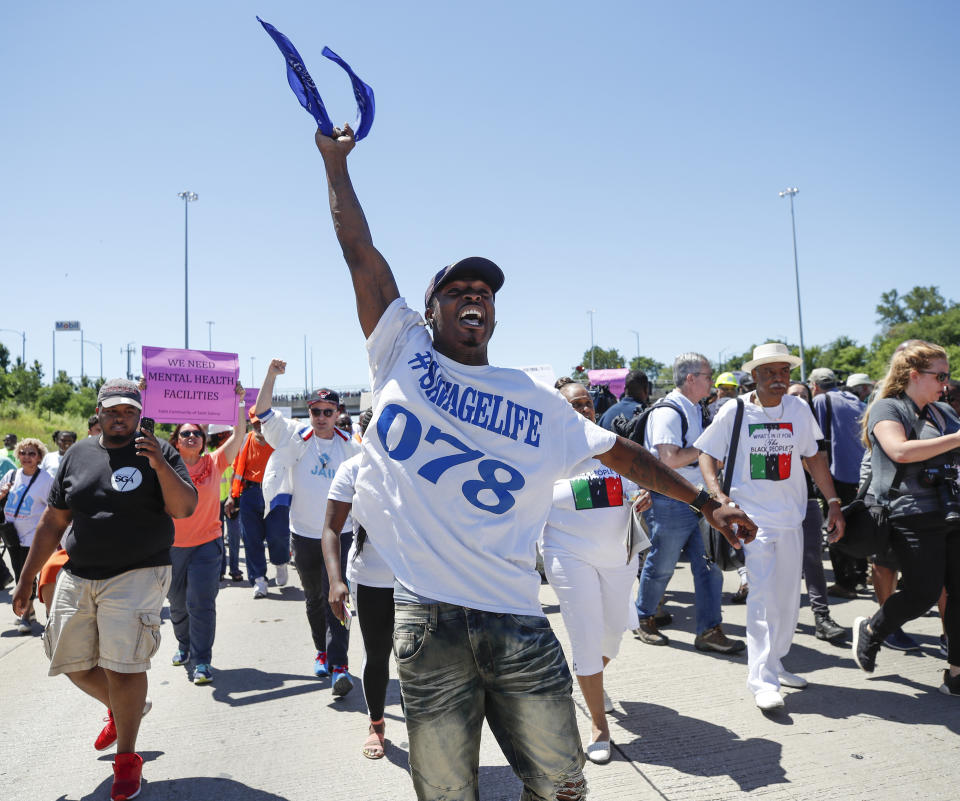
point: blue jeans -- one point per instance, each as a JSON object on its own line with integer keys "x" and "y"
{"x": 194, "y": 584}
{"x": 233, "y": 543}
{"x": 274, "y": 530}
{"x": 674, "y": 529}
{"x": 458, "y": 666}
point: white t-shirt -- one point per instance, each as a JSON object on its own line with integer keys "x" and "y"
{"x": 664, "y": 428}
{"x": 51, "y": 462}
{"x": 590, "y": 514}
{"x": 459, "y": 464}
{"x": 768, "y": 480}
{"x": 312, "y": 476}
{"x": 33, "y": 504}
{"x": 366, "y": 567}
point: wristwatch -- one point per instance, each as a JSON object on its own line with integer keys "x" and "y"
{"x": 702, "y": 497}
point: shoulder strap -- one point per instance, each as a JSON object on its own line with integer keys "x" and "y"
{"x": 26, "y": 492}
{"x": 828, "y": 427}
{"x": 732, "y": 453}
{"x": 683, "y": 418}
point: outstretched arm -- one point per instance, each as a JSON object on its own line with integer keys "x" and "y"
{"x": 373, "y": 282}
{"x": 635, "y": 462}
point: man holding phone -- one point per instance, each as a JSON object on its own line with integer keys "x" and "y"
{"x": 120, "y": 490}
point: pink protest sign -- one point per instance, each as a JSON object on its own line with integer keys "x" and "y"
{"x": 250, "y": 396}
{"x": 190, "y": 386}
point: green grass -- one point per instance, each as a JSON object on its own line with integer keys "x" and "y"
{"x": 24, "y": 421}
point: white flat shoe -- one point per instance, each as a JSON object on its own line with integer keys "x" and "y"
{"x": 768, "y": 699}
{"x": 607, "y": 703}
{"x": 788, "y": 679}
{"x": 599, "y": 752}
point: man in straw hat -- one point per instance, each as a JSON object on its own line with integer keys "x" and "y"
{"x": 777, "y": 433}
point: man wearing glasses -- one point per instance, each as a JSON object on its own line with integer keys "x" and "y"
{"x": 671, "y": 430}
{"x": 299, "y": 473}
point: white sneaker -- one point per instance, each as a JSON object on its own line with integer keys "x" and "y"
{"x": 282, "y": 575}
{"x": 607, "y": 703}
{"x": 788, "y": 679}
{"x": 260, "y": 587}
{"x": 598, "y": 752}
{"x": 768, "y": 699}
{"x": 23, "y": 625}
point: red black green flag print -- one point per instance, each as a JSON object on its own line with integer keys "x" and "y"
{"x": 596, "y": 492}
{"x": 771, "y": 450}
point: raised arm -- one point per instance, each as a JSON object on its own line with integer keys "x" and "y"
{"x": 373, "y": 282}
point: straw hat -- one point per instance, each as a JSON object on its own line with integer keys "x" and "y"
{"x": 771, "y": 353}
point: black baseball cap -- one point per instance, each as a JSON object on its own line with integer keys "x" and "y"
{"x": 472, "y": 265}
{"x": 328, "y": 395}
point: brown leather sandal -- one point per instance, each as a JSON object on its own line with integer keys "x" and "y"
{"x": 373, "y": 746}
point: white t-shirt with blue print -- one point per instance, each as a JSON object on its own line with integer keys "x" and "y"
{"x": 458, "y": 465}
{"x": 33, "y": 504}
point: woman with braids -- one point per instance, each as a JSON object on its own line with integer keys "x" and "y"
{"x": 914, "y": 444}
{"x": 372, "y": 594}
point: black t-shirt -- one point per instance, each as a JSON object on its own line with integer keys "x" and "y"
{"x": 119, "y": 522}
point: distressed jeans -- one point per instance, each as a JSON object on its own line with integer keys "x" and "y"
{"x": 675, "y": 529}
{"x": 459, "y": 666}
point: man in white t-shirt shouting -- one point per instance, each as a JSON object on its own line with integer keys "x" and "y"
{"x": 672, "y": 427}
{"x": 778, "y": 438}
{"x": 458, "y": 466}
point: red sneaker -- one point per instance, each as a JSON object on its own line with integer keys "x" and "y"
{"x": 108, "y": 734}
{"x": 126, "y": 776}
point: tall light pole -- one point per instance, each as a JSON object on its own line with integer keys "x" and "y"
{"x": 187, "y": 198}
{"x": 252, "y": 379}
{"x": 23, "y": 337}
{"x": 637, "y": 335}
{"x": 591, "y": 312}
{"x": 790, "y": 192}
{"x": 209, "y": 334}
{"x": 99, "y": 347}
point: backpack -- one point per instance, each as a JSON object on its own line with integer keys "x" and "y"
{"x": 636, "y": 427}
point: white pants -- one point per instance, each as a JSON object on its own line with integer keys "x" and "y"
{"x": 774, "y": 563}
{"x": 596, "y": 606}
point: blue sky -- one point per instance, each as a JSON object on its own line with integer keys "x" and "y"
{"x": 622, "y": 156}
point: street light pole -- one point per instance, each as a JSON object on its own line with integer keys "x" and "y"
{"x": 252, "y": 379}
{"x": 187, "y": 198}
{"x": 637, "y": 335}
{"x": 591, "y": 312}
{"x": 209, "y": 334}
{"x": 790, "y": 192}
{"x": 23, "y": 336}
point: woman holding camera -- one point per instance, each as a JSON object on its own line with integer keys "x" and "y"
{"x": 914, "y": 450}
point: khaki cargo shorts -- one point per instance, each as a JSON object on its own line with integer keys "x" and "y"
{"x": 113, "y": 623}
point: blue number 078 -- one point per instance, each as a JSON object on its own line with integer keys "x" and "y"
{"x": 409, "y": 442}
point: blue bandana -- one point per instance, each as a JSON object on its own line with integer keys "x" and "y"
{"x": 306, "y": 90}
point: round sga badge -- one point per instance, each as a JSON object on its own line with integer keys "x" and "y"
{"x": 126, "y": 479}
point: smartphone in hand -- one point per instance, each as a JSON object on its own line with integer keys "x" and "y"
{"x": 147, "y": 424}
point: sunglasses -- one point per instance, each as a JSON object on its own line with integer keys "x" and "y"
{"x": 189, "y": 435}
{"x": 941, "y": 377}
{"x": 29, "y": 453}
{"x": 324, "y": 412}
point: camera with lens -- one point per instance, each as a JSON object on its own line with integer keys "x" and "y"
{"x": 944, "y": 480}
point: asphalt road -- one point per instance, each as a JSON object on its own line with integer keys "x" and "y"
{"x": 685, "y": 726}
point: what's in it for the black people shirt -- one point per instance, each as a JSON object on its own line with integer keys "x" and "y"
{"x": 119, "y": 522}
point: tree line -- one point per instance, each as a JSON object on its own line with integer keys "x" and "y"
{"x": 922, "y": 313}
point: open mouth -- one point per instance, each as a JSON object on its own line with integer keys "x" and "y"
{"x": 471, "y": 316}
